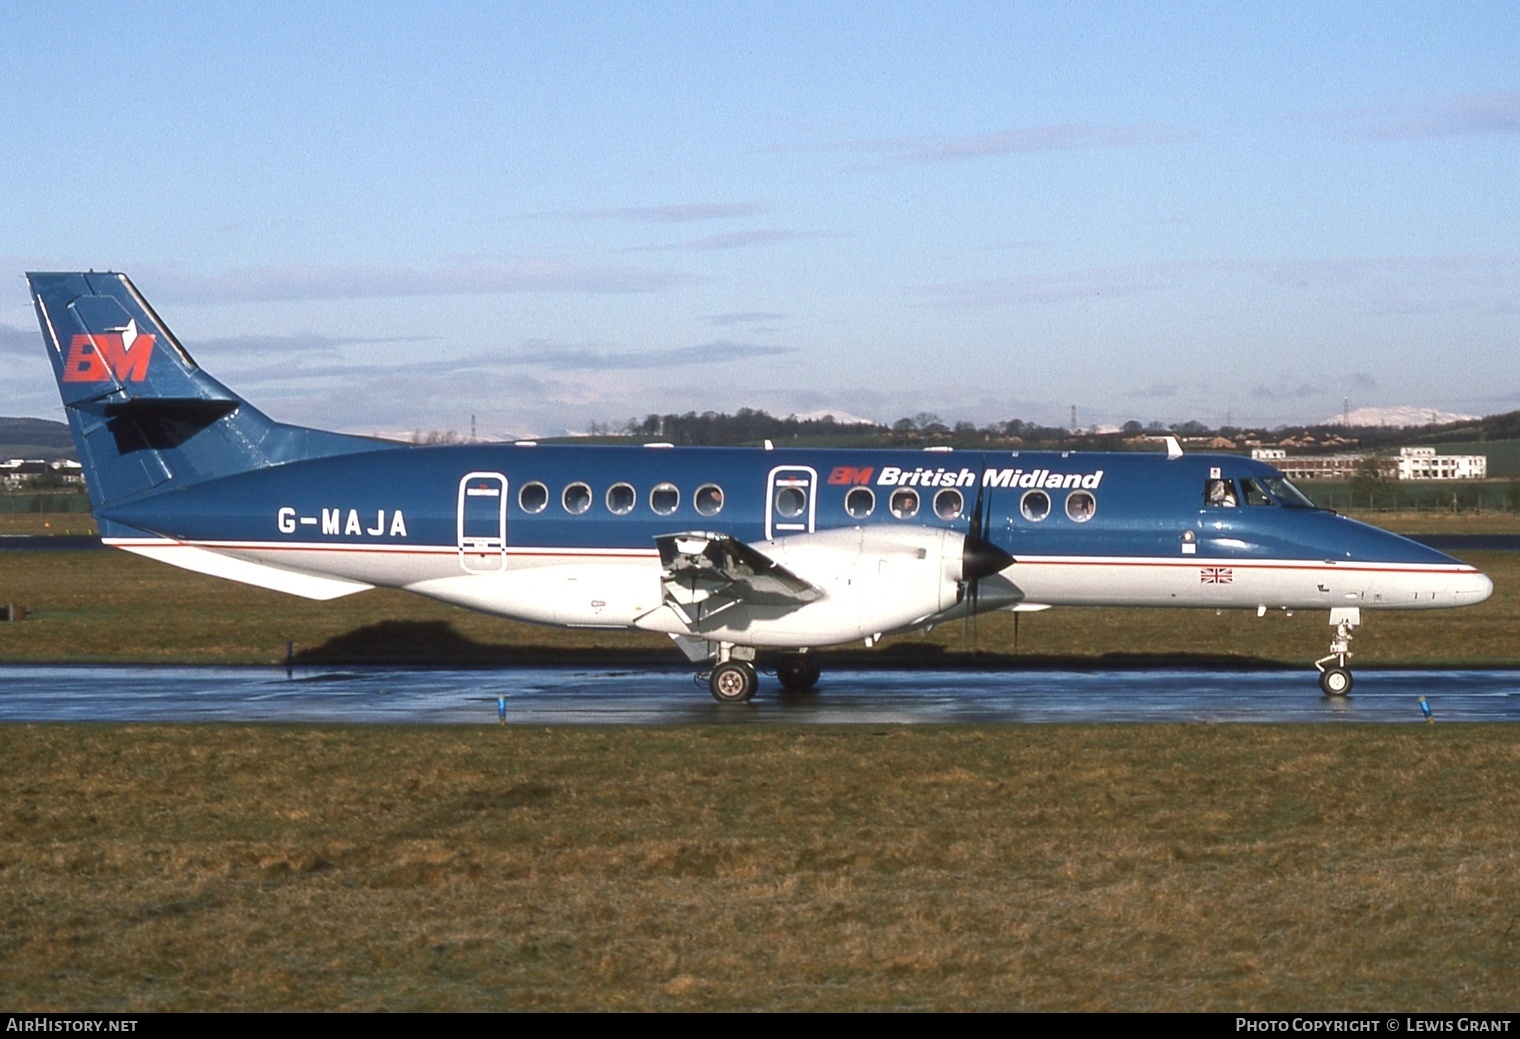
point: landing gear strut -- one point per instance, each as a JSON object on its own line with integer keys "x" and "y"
{"x": 1336, "y": 680}
{"x": 798, "y": 672}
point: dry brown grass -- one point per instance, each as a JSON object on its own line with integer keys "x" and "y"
{"x": 47, "y": 523}
{"x": 1118, "y": 867}
{"x": 111, "y": 606}
{"x": 1430, "y": 522}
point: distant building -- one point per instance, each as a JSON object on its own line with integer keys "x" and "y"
{"x": 1422, "y": 463}
{"x": 23, "y": 472}
{"x": 1411, "y": 463}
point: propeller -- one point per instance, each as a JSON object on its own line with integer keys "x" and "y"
{"x": 979, "y": 557}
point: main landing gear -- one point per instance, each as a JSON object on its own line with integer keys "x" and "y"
{"x": 735, "y": 680}
{"x": 1336, "y": 679}
{"x": 798, "y": 672}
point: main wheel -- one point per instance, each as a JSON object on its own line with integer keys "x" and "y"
{"x": 733, "y": 682}
{"x": 1335, "y": 681}
{"x": 798, "y": 672}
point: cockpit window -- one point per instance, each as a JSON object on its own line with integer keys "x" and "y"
{"x": 1220, "y": 493}
{"x": 1285, "y": 494}
{"x": 1254, "y": 493}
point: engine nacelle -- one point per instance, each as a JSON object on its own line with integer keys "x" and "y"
{"x": 874, "y": 581}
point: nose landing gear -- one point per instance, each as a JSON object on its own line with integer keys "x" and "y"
{"x": 1336, "y": 680}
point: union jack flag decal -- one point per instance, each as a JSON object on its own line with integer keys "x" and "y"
{"x": 1217, "y": 575}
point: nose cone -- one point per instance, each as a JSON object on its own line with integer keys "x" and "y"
{"x": 1472, "y": 587}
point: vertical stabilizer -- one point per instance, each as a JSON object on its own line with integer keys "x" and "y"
{"x": 144, "y": 416}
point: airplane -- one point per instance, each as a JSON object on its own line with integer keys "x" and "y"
{"x": 737, "y": 554}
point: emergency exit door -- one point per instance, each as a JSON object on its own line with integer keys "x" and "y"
{"x": 792, "y": 493}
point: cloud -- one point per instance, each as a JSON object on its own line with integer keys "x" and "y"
{"x": 1157, "y": 391}
{"x": 303, "y": 343}
{"x": 1110, "y": 283}
{"x": 1362, "y": 381}
{"x": 923, "y": 150}
{"x": 1403, "y": 285}
{"x": 730, "y": 240}
{"x": 745, "y": 317}
{"x": 691, "y": 212}
{"x": 1492, "y": 114}
{"x": 1285, "y": 392}
{"x": 20, "y": 342}
{"x": 1378, "y": 285}
{"x": 581, "y": 358}
{"x": 300, "y": 283}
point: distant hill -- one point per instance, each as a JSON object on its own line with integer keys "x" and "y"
{"x": 1493, "y": 427}
{"x": 35, "y": 438}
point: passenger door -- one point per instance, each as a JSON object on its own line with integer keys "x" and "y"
{"x": 483, "y": 522}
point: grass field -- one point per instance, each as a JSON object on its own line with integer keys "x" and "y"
{"x": 1166, "y": 867}
{"x": 1158, "y": 867}
{"x": 112, "y": 606}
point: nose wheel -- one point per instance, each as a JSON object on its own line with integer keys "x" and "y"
{"x": 1335, "y": 680}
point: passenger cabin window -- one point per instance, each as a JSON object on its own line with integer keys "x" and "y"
{"x": 1220, "y": 494}
{"x": 904, "y": 503}
{"x": 1080, "y": 506}
{"x": 576, "y": 499}
{"x": 860, "y": 502}
{"x": 1035, "y": 506}
{"x": 948, "y": 504}
{"x": 664, "y": 499}
{"x": 708, "y": 499}
{"x": 533, "y": 497}
{"x": 620, "y": 499}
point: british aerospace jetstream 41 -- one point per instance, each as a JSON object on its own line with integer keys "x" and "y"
{"x": 730, "y": 552}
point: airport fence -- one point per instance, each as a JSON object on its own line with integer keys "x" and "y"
{"x": 51, "y": 502}
{"x": 1415, "y": 496}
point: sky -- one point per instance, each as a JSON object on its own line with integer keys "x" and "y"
{"x": 394, "y": 217}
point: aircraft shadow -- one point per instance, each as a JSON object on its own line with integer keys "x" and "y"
{"x": 439, "y": 644}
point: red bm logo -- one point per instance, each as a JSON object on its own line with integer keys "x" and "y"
{"x": 848, "y": 474}
{"x": 98, "y": 357}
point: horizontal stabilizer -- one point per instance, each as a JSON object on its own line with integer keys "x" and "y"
{"x": 204, "y": 561}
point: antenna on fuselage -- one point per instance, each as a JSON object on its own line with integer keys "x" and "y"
{"x": 1173, "y": 446}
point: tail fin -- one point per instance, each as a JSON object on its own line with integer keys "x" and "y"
{"x": 145, "y": 418}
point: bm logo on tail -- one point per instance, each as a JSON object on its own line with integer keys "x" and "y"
{"x": 123, "y": 354}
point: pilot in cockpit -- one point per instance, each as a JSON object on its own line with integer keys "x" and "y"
{"x": 1221, "y": 492}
